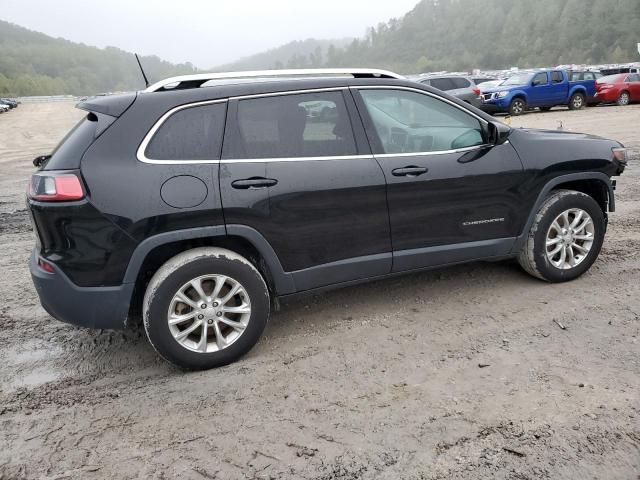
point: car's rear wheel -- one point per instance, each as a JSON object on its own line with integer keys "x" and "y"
{"x": 624, "y": 99}
{"x": 577, "y": 101}
{"x": 518, "y": 106}
{"x": 205, "y": 308}
{"x": 565, "y": 238}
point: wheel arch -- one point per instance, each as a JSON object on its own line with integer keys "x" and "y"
{"x": 154, "y": 251}
{"x": 595, "y": 184}
{"x": 578, "y": 89}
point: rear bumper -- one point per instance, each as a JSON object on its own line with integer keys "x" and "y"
{"x": 93, "y": 307}
{"x": 607, "y": 97}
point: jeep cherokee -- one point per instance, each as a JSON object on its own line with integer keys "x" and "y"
{"x": 200, "y": 201}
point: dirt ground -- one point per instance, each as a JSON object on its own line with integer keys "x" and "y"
{"x": 375, "y": 381}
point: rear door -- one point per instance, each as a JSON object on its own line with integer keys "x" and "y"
{"x": 299, "y": 170}
{"x": 559, "y": 89}
{"x": 451, "y": 196}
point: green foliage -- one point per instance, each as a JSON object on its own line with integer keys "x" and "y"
{"x": 32, "y": 63}
{"x": 435, "y": 35}
{"x": 461, "y": 35}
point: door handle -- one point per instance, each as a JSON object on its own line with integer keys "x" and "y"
{"x": 410, "y": 171}
{"x": 254, "y": 182}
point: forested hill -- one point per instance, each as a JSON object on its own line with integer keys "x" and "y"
{"x": 32, "y": 63}
{"x": 467, "y": 34}
{"x": 310, "y": 52}
{"x": 435, "y": 35}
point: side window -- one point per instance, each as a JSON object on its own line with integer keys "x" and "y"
{"x": 461, "y": 82}
{"x": 557, "y": 77}
{"x": 412, "y": 122}
{"x": 577, "y": 76}
{"x": 589, "y": 76}
{"x": 298, "y": 125}
{"x": 443, "y": 84}
{"x": 634, "y": 78}
{"x": 193, "y": 133}
{"x": 540, "y": 79}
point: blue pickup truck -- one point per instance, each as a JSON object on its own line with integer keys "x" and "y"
{"x": 543, "y": 89}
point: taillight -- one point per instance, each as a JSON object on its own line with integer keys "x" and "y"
{"x": 476, "y": 91}
{"x": 55, "y": 187}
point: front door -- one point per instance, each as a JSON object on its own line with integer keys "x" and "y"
{"x": 451, "y": 196}
{"x": 541, "y": 91}
{"x": 319, "y": 194}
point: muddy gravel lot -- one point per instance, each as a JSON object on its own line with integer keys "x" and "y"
{"x": 375, "y": 381}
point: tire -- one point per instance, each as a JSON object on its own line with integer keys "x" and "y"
{"x": 208, "y": 267}
{"x": 624, "y": 99}
{"x": 577, "y": 101}
{"x": 518, "y": 106}
{"x": 534, "y": 258}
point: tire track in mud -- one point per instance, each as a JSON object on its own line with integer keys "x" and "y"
{"x": 15, "y": 222}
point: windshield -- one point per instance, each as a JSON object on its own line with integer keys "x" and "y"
{"x": 518, "y": 79}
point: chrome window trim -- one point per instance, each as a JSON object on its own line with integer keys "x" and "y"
{"x": 424, "y": 92}
{"x": 141, "y": 152}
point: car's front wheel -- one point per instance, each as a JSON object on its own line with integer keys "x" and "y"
{"x": 517, "y": 107}
{"x": 565, "y": 238}
{"x": 205, "y": 308}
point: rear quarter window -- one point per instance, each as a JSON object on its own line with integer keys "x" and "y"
{"x": 443, "y": 84}
{"x": 68, "y": 153}
{"x": 193, "y": 133}
{"x": 461, "y": 82}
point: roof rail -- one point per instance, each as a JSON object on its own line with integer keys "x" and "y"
{"x": 197, "y": 80}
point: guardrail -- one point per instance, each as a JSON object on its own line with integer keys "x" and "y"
{"x": 48, "y": 98}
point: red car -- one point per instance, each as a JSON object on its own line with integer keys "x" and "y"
{"x": 622, "y": 88}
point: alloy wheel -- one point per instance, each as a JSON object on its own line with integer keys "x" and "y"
{"x": 209, "y": 313}
{"x": 570, "y": 238}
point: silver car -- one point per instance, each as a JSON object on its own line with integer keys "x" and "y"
{"x": 458, "y": 86}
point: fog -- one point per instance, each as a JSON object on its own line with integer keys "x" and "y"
{"x": 205, "y": 33}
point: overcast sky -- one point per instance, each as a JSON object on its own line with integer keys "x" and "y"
{"x": 206, "y": 33}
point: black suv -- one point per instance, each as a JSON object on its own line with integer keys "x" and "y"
{"x": 201, "y": 200}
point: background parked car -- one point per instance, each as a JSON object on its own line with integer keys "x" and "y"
{"x": 479, "y": 79}
{"x": 9, "y": 102}
{"x": 543, "y": 89}
{"x": 489, "y": 84}
{"x": 622, "y": 89}
{"x": 588, "y": 79}
{"x": 459, "y": 86}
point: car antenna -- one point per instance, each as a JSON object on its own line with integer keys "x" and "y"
{"x": 146, "y": 81}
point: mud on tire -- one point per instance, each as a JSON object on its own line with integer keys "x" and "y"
{"x": 533, "y": 257}
{"x": 201, "y": 348}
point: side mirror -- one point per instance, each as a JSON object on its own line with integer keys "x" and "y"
{"x": 498, "y": 133}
